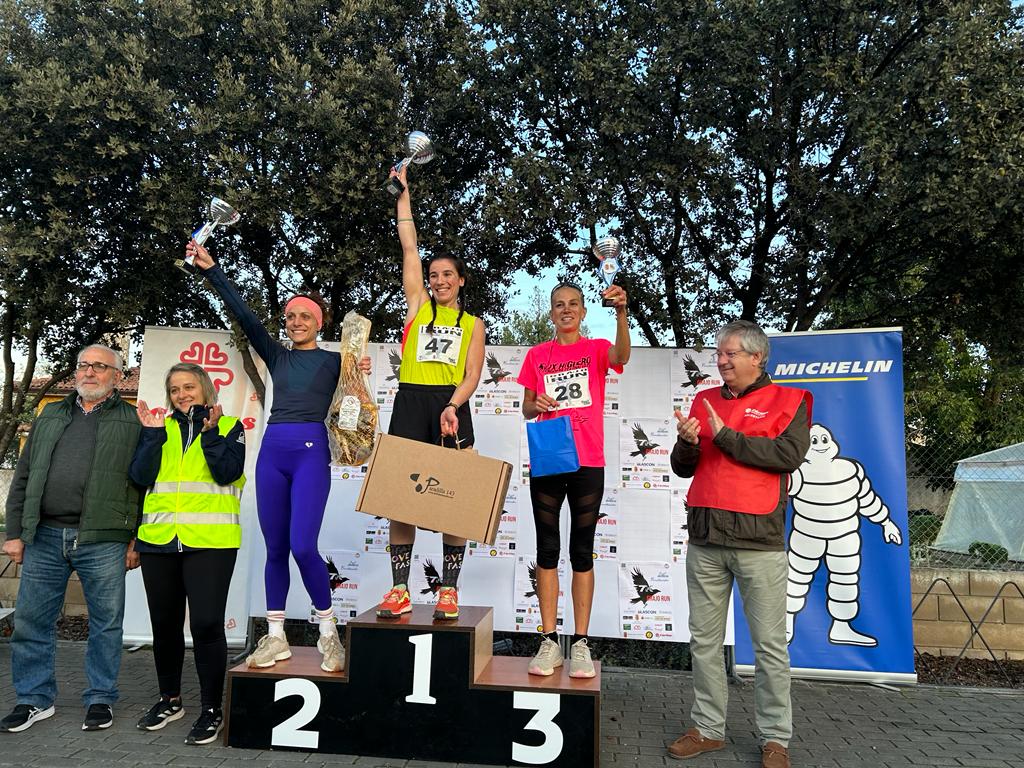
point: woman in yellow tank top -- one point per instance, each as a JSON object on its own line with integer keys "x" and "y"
{"x": 442, "y": 356}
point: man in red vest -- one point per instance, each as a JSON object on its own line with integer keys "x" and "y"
{"x": 739, "y": 445}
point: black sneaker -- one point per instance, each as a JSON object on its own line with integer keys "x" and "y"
{"x": 23, "y": 716}
{"x": 206, "y": 728}
{"x": 160, "y": 714}
{"x": 98, "y": 717}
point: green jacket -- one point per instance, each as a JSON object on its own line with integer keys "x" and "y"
{"x": 112, "y": 504}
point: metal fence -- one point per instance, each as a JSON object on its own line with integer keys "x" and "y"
{"x": 966, "y": 511}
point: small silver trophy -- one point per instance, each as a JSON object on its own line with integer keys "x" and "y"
{"x": 607, "y": 251}
{"x": 221, "y": 215}
{"x": 420, "y": 150}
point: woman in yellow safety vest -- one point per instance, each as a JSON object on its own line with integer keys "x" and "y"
{"x": 191, "y": 458}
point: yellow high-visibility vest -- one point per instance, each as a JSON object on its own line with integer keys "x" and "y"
{"x": 185, "y": 501}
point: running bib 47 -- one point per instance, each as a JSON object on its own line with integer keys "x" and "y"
{"x": 442, "y": 346}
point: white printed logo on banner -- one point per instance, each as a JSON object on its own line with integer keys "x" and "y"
{"x": 527, "y": 605}
{"x": 425, "y": 578}
{"x": 644, "y": 449}
{"x": 680, "y": 535}
{"x": 376, "y": 534}
{"x": 499, "y": 392}
{"x": 692, "y": 371}
{"x": 385, "y": 368}
{"x": 343, "y": 571}
{"x": 645, "y": 600}
{"x": 606, "y": 535}
{"x": 612, "y": 388}
{"x": 505, "y": 542}
{"x": 524, "y": 455}
{"x": 345, "y": 472}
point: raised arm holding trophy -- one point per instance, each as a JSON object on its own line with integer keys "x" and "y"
{"x": 420, "y": 150}
{"x": 222, "y": 214}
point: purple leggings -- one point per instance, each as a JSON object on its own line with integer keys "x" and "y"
{"x": 293, "y": 479}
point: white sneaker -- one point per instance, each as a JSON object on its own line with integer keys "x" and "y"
{"x": 548, "y": 658}
{"x": 580, "y": 664}
{"x": 334, "y": 652}
{"x": 269, "y": 649}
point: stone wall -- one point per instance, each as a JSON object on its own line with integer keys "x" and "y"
{"x": 941, "y": 627}
{"x": 74, "y": 600}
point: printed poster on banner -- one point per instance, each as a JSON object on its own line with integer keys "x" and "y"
{"x": 606, "y": 535}
{"x": 376, "y": 533}
{"x": 425, "y": 578}
{"x": 691, "y": 372}
{"x": 680, "y": 536}
{"x": 612, "y": 393}
{"x": 385, "y": 370}
{"x": 505, "y": 542}
{"x": 527, "y": 606}
{"x": 343, "y": 571}
{"x": 499, "y": 392}
{"x": 644, "y": 449}
{"x": 645, "y": 600}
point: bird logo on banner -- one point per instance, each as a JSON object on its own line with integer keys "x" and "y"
{"x": 693, "y": 372}
{"x": 433, "y": 579}
{"x": 497, "y": 373}
{"x": 643, "y": 444}
{"x": 643, "y": 589}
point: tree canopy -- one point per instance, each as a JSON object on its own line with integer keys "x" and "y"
{"x": 802, "y": 165}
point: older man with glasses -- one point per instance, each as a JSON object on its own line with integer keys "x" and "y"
{"x": 739, "y": 444}
{"x": 71, "y": 507}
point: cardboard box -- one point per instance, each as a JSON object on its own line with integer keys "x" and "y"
{"x": 440, "y": 489}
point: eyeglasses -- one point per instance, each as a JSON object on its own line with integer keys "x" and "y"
{"x": 97, "y": 367}
{"x": 731, "y": 355}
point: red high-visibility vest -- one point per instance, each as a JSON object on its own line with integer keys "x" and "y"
{"x": 721, "y": 482}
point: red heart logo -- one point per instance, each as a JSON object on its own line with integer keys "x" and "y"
{"x": 221, "y": 377}
{"x": 214, "y": 354}
{"x": 194, "y": 353}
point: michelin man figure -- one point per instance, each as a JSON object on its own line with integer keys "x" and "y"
{"x": 830, "y": 494}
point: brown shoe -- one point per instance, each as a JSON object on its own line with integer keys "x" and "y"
{"x": 691, "y": 744}
{"x": 774, "y": 755}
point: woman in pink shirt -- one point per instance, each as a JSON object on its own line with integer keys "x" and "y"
{"x": 566, "y": 377}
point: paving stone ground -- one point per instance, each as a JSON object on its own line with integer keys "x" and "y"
{"x": 836, "y": 725}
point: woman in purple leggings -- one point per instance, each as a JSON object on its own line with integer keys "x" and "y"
{"x": 293, "y": 468}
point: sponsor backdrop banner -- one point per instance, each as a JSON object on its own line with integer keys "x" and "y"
{"x": 848, "y": 592}
{"x": 858, "y": 400}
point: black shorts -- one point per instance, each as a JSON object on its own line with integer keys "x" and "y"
{"x": 417, "y": 415}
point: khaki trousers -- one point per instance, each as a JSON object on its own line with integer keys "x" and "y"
{"x": 761, "y": 578}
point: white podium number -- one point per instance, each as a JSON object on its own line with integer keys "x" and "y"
{"x": 288, "y": 733}
{"x": 421, "y": 670}
{"x": 546, "y": 706}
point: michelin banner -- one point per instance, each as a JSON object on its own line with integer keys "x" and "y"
{"x": 848, "y": 592}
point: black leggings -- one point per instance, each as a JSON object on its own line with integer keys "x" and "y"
{"x": 585, "y": 489}
{"x": 202, "y": 577}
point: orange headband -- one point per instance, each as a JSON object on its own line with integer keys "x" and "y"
{"x": 307, "y": 303}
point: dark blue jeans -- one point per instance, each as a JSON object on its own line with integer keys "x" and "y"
{"x": 49, "y": 561}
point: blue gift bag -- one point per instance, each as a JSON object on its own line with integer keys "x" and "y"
{"x": 552, "y": 447}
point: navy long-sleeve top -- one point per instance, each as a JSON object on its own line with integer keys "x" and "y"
{"x": 304, "y": 379}
{"x": 225, "y": 455}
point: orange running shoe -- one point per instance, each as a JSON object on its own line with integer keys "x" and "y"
{"x": 395, "y": 603}
{"x": 447, "y": 604}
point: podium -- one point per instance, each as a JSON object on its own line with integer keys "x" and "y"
{"x": 416, "y": 688}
